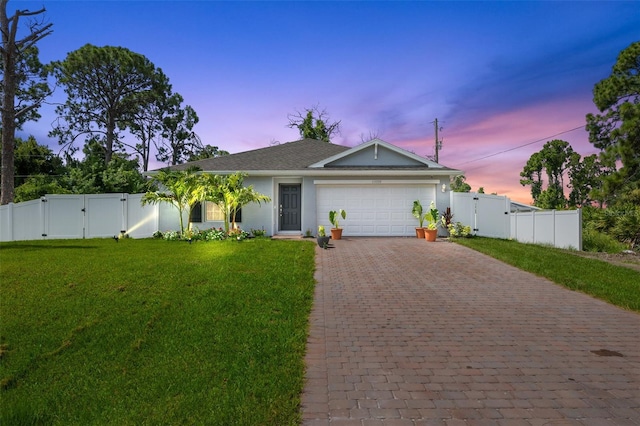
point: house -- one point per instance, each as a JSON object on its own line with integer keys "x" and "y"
{"x": 375, "y": 182}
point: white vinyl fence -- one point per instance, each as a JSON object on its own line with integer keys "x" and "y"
{"x": 107, "y": 215}
{"x": 83, "y": 216}
{"x": 557, "y": 228}
{"x": 492, "y": 216}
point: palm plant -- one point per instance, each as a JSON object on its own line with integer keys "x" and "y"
{"x": 229, "y": 193}
{"x": 180, "y": 188}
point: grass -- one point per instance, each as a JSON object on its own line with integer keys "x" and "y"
{"x": 615, "y": 284}
{"x": 153, "y": 332}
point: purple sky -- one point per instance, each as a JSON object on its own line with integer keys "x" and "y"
{"x": 497, "y": 75}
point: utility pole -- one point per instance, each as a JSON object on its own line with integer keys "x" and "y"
{"x": 438, "y": 141}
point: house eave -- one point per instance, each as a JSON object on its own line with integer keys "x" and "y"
{"x": 343, "y": 172}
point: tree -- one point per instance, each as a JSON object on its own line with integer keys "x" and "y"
{"x": 93, "y": 176}
{"x": 554, "y": 158}
{"x": 34, "y": 159}
{"x": 104, "y": 87}
{"x": 314, "y": 124}
{"x": 24, "y": 85}
{"x": 179, "y": 141}
{"x": 585, "y": 181}
{"x": 146, "y": 120}
{"x": 229, "y": 193}
{"x": 182, "y": 189}
{"x": 37, "y": 186}
{"x": 458, "y": 184}
{"x": 616, "y": 131}
{"x": 207, "y": 151}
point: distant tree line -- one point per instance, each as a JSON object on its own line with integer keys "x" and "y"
{"x": 120, "y": 112}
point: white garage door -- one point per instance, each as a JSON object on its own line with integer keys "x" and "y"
{"x": 373, "y": 210}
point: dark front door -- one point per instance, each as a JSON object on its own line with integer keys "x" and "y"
{"x": 290, "y": 213}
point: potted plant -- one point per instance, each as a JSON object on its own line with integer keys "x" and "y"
{"x": 433, "y": 221}
{"x": 334, "y": 216}
{"x": 418, "y": 214}
{"x": 323, "y": 240}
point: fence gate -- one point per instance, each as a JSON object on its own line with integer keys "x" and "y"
{"x": 63, "y": 216}
{"x": 487, "y": 215}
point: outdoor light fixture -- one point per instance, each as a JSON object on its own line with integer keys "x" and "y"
{"x": 444, "y": 187}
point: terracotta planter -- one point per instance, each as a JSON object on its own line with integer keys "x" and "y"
{"x": 430, "y": 234}
{"x": 336, "y": 233}
{"x": 420, "y": 232}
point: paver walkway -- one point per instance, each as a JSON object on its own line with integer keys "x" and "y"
{"x": 405, "y": 332}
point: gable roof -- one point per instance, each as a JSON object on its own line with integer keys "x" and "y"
{"x": 375, "y": 144}
{"x": 296, "y": 155}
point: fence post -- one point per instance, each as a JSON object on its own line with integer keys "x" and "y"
{"x": 10, "y": 223}
{"x": 533, "y": 226}
{"x": 124, "y": 223}
{"x": 44, "y": 217}
{"x": 553, "y": 216}
{"x": 580, "y": 229}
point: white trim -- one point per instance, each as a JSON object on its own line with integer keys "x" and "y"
{"x": 376, "y": 182}
{"x": 277, "y": 182}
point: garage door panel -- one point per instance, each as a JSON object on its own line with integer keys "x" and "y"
{"x": 373, "y": 210}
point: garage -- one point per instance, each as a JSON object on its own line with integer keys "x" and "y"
{"x": 373, "y": 209}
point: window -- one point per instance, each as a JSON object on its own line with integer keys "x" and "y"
{"x": 196, "y": 213}
{"x": 214, "y": 213}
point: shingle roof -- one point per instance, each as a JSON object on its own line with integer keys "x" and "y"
{"x": 296, "y": 155}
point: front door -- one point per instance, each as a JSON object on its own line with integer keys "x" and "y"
{"x": 290, "y": 211}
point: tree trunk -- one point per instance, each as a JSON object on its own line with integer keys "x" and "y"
{"x": 8, "y": 123}
{"x": 108, "y": 148}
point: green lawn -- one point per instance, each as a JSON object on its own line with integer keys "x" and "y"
{"x": 615, "y": 284}
{"x": 153, "y": 332}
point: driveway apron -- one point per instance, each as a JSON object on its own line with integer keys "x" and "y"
{"x": 406, "y": 332}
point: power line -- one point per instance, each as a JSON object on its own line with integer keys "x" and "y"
{"x": 521, "y": 146}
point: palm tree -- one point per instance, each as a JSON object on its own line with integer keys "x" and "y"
{"x": 182, "y": 189}
{"x": 230, "y": 195}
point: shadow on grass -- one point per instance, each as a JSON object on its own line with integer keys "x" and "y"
{"x": 28, "y": 247}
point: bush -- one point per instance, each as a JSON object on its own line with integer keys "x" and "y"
{"x": 172, "y": 236}
{"x": 258, "y": 233}
{"x": 597, "y": 241}
{"x": 457, "y": 229}
{"x": 620, "y": 222}
{"x": 238, "y": 234}
{"x": 213, "y": 234}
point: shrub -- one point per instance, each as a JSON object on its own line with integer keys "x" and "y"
{"x": 213, "y": 234}
{"x": 238, "y": 234}
{"x": 172, "y": 236}
{"x": 258, "y": 232}
{"x": 621, "y": 222}
{"x": 597, "y": 241}
{"x": 458, "y": 229}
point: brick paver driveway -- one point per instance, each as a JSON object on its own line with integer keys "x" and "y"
{"x": 405, "y": 332}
